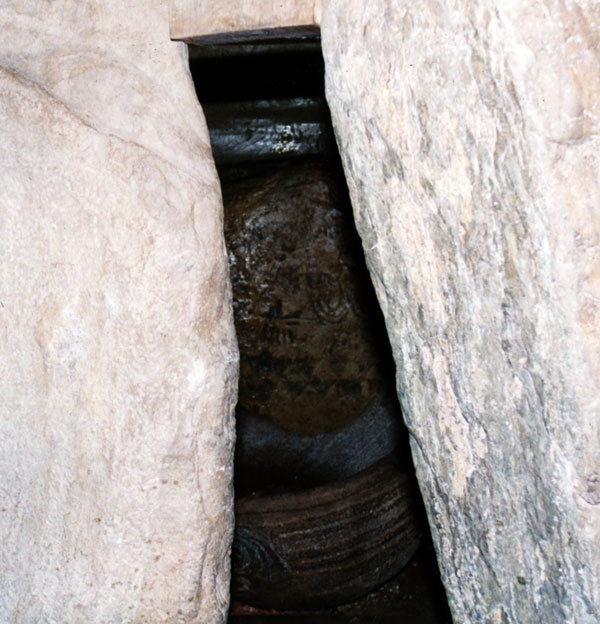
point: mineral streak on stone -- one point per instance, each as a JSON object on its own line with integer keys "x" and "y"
{"x": 118, "y": 360}
{"x": 310, "y": 354}
{"x": 469, "y": 133}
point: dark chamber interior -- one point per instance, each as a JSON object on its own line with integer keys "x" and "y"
{"x": 317, "y": 403}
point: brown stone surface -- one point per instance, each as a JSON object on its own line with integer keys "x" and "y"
{"x": 311, "y": 357}
{"x": 470, "y": 138}
{"x": 327, "y": 545}
{"x": 414, "y": 596}
{"x": 117, "y": 351}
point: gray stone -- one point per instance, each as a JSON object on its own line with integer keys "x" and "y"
{"x": 118, "y": 361}
{"x": 469, "y": 134}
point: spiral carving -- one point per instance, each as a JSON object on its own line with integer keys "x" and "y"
{"x": 325, "y": 545}
{"x": 254, "y": 555}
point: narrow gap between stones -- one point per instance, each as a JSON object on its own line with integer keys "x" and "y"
{"x": 323, "y": 476}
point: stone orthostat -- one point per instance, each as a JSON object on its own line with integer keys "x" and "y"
{"x": 118, "y": 360}
{"x": 470, "y": 139}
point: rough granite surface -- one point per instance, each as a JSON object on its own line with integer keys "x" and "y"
{"x": 470, "y": 138}
{"x": 118, "y": 361}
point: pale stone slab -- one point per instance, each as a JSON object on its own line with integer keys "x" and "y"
{"x": 197, "y": 20}
{"x": 470, "y": 139}
{"x": 118, "y": 360}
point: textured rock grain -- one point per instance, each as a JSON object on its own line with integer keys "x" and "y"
{"x": 469, "y": 133}
{"x": 118, "y": 362}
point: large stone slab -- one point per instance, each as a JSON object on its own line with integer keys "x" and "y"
{"x": 117, "y": 356}
{"x": 469, "y": 133}
{"x": 220, "y": 20}
{"x": 312, "y": 352}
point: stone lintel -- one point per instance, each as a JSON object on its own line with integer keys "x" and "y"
{"x": 213, "y": 21}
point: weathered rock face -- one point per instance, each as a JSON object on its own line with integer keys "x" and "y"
{"x": 118, "y": 360}
{"x": 469, "y": 133}
{"x": 311, "y": 355}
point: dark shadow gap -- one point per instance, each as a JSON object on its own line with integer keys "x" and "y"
{"x": 266, "y": 111}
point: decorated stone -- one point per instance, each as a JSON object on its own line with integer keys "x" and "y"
{"x": 312, "y": 355}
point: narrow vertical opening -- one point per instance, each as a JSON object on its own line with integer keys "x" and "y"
{"x": 322, "y": 453}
